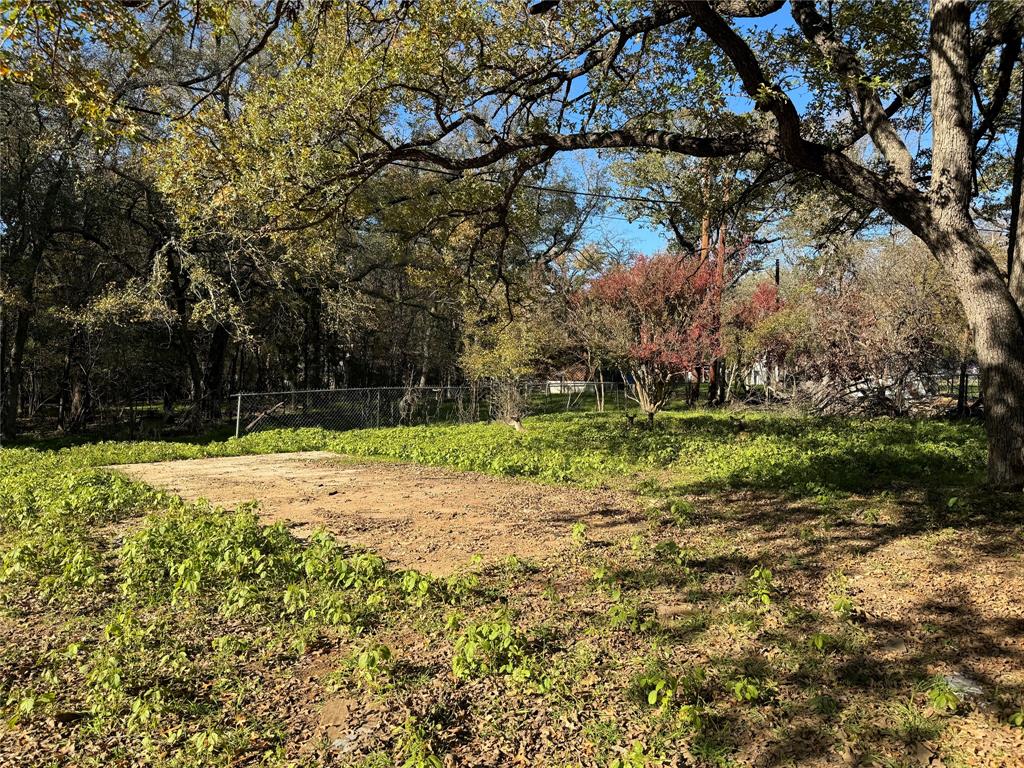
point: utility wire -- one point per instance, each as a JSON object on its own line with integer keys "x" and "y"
{"x": 556, "y": 190}
{"x": 596, "y": 195}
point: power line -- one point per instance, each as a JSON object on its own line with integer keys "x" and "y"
{"x": 554, "y": 190}
{"x": 591, "y": 194}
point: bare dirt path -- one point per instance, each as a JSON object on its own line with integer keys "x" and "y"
{"x": 427, "y": 518}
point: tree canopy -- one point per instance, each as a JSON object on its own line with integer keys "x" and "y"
{"x": 278, "y": 131}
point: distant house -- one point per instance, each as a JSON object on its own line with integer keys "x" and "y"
{"x": 573, "y": 378}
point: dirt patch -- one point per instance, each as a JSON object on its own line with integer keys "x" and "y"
{"x": 426, "y": 518}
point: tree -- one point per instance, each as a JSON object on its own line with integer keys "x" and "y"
{"x": 759, "y": 333}
{"x": 503, "y": 345}
{"x": 658, "y": 318}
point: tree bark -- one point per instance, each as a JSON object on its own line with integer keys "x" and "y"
{"x": 179, "y": 288}
{"x": 76, "y": 392}
{"x": 5, "y": 374}
{"x": 1015, "y": 248}
{"x": 14, "y": 373}
{"x": 998, "y": 330}
{"x": 994, "y": 317}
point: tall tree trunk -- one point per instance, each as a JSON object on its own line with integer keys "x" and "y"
{"x": 75, "y": 389}
{"x": 179, "y": 288}
{"x": 961, "y": 390}
{"x": 5, "y": 372}
{"x": 998, "y": 329}
{"x": 705, "y": 253}
{"x": 716, "y": 390}
{"x": 999, "y": 341}
{"x": 213, "y": 377}
{"x": 15, "y": 372}
{"x": 1015, "y": 249}
{"x": 24, "y": 279}
{"x": 995, "y": 319}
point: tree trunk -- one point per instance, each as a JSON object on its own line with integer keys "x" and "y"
{"x": 14, "y": 374}
{"x": 993, "y": 315}
{"x": 24, "y": 278}
{"x": 961, "y": 392}
{"x": 999, "y": 340}
{"x": 716, "y": 390}
{"x": 179, "y": 288}
{"x": 76, "y": 390}
{"x": 997, "y": 326}
{"x": 1015, "y": 249}
{"x": 5, "y": 374}
{"x": 213, "y": 378}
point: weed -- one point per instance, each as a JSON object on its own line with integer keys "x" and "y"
{"x": 671, "y": 553}
{"x": 637, "y": 756}
{"x": 941, "y": 695}
{"x": 603, "y": 735}
{"x": 417, "y": 587}
{"x": 821, "y": 642}
{"x": 680, "y": 512}
{"x": 747, "y": 689}
{"x": 371, "y": 664}
{"x": 638, "y": 544}
{"x": 825, "y": 704}
{"x": 913, "y": 725}
{"x": 760, "y": 587}
{"x": 603, "y": 579}
{"x": 625, "y": 614}
{"x": 839, "y": 596}
{"x": 415, "y": 746}
{"x": 491, "y": 647}
{"x": 653, "y": 686}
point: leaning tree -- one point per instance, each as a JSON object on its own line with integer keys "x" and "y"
{"x": 906, "y": 106}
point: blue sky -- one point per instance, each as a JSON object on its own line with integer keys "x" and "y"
{"x": 640, "y": 235}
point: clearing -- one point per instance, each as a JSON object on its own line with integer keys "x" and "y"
{"x": 428, "y": 518}
{"x": 764, "y": 591}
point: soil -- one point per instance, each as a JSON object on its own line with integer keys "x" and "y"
{"x": 931, "y": 596}
{"x": 431, "y": 519}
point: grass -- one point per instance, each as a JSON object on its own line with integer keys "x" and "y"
{"x": 687, "y": 450}
{"x": 135, "y": 627}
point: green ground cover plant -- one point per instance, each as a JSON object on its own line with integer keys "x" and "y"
{"x": 692, "y": 450}
{"x": 739, "y": 626}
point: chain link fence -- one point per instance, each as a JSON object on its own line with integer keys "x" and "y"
{"x": 363, "y": 407}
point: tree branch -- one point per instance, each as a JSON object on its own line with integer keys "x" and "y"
{"x": 875, "y": 117}
{"x": 899, "y": 199}
{"x": 990, "y": 113}
{"x": 668, "y": 141}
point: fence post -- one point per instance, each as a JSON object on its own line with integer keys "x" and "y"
{"x": 238, "y": 415}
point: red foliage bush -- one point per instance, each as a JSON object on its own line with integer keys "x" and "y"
{"x": 661, "y": 321}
